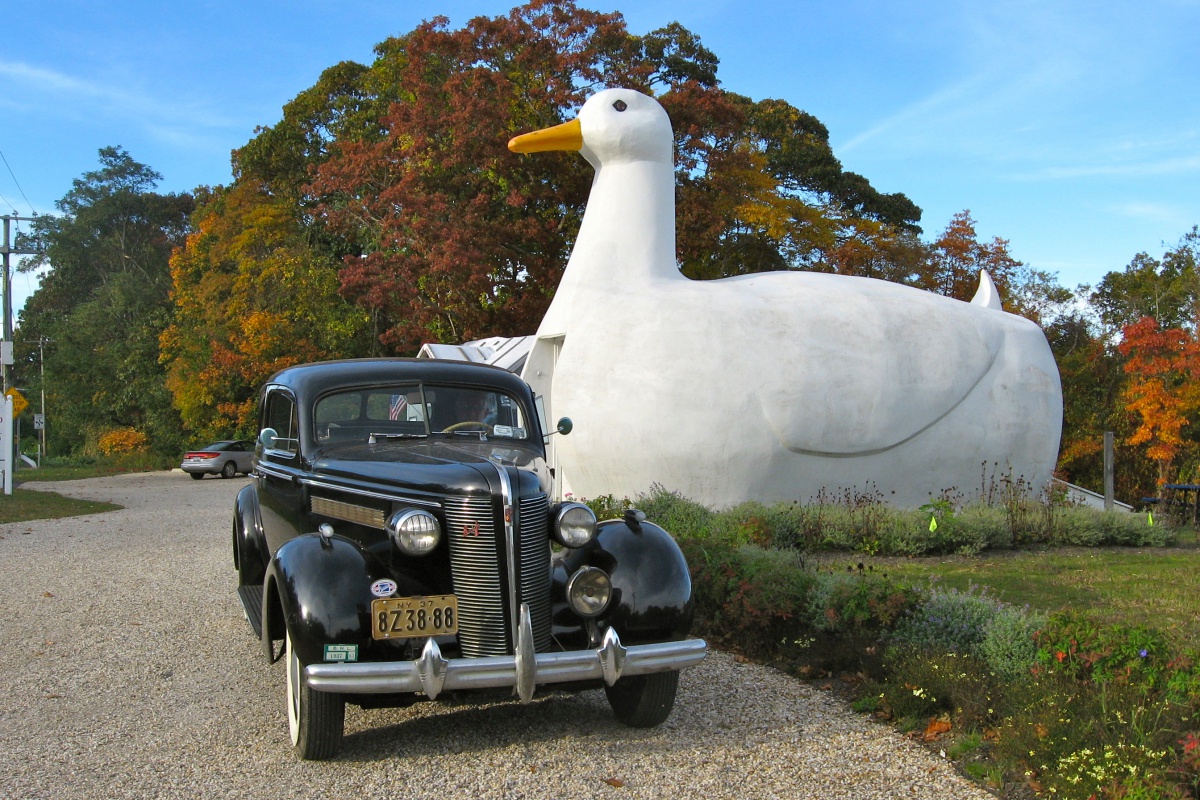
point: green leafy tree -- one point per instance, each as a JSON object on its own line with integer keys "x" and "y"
{"x": 1166, "y": 290}
{"x": 103, "y": 300}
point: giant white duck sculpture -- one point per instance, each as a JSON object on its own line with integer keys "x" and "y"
{"x": 770, "y": 386}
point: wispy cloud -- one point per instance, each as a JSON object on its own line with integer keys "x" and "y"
{"x": 1171, "y": 216}
{"x": 1171, "y": 165}
{"x": 941, "y": 101}
{"x": 156, "y": 114}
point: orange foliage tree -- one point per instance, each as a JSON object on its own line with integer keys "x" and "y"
{"x": 251, "y": 297}
{"x": 1163, "y": 367}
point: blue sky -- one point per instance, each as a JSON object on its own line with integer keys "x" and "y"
{"x": 1071, "y": 129}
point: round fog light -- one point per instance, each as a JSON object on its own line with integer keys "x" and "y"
{"x": 588, "y": 591}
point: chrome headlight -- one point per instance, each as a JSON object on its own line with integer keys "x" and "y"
{"x": 415, "y": 532}
{"x": 588, "y": 591}
{"x": 574, "y": 524}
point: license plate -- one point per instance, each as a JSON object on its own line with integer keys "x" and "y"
{"x": 406, "y": 617}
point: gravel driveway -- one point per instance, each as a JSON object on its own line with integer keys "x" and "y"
{"x": 128, "y": 671}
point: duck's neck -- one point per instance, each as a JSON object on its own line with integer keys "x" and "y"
{"x": 626, "y": 241}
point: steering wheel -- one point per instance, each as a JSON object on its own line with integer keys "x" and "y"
{"x": 465, "y": 423}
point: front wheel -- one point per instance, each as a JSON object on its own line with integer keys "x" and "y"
{"x": 315, "y": 719}
{"x": 644, "y": 701}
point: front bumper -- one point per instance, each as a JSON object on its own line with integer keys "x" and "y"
{"x": 431, "y": 674}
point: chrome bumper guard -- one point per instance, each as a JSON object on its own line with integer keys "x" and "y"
{"x": 432, "y": 673}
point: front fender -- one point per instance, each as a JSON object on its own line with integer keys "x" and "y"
{"x": 652, "y": 588}
{"x": 323, "y": 587}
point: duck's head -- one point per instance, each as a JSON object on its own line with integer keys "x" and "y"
{"x": 614, "y": 126}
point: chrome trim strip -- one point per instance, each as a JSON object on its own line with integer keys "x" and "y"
{"x": 388, "y": 677}
{"x": 287, "y": 476}
{"x": 509, "y": 514}
{"x": 395, "y": 498}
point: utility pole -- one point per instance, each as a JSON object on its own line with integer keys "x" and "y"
{"x": 6, "y": 249}
{"x": 6, "y": 345}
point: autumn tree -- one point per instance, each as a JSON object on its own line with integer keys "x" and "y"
{"x": 102, "y": 302}
{"x": 461, "y": 239}
{"x": 1093, "y": 384}
{"x": 252, "y": 296}
{"x": 1164, "y": 366}
{"x": 1138, "y": 377}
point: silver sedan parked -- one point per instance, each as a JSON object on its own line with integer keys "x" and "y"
{"x": 220, "y": 458}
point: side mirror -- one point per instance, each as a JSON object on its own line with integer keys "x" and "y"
{"x": 565, "y": 426}
{"x": 267, "y": 437}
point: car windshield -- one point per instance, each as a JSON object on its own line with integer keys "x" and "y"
{"x": 400, "y": 411}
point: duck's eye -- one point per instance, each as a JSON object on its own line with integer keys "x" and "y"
{"x": 620, "y": 105}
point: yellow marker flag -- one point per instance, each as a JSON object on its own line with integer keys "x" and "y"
{"x": 1150, "y": 518}
{"x": 932, "y": 524}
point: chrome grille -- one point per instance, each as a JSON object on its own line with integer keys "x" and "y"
{"x": 533, "y": 566}
{"x": 477, "y": 560}
{"x": 475, "y": 567}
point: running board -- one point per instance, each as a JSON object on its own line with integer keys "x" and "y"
{"x": 251, "y": 597}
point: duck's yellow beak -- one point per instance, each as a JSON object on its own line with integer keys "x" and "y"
{"x": 568, "y": 136}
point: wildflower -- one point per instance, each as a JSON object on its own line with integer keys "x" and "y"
{"x": 1060, "y": 655}
{"x": 1143, "y": 652}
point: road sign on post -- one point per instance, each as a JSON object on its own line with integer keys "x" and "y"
{"x": 19, "y": 402}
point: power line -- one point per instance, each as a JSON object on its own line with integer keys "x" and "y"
{"x": 17, "y": 182}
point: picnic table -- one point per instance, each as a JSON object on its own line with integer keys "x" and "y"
{"x": 1182, "y": 500}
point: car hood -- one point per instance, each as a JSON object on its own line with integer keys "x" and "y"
{"x": 433, "y": 465}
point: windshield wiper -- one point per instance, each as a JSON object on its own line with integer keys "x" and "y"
{"x": 375, "y": 437}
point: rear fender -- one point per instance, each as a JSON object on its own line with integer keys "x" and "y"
{"x": 249, "y": 543}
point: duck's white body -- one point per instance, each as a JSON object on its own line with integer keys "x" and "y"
{"x": 771, "y": 386}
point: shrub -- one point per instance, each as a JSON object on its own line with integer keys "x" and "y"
{"x": 674, "y": 512}
{"x": 948, "y": 621}
{"x": 1009, "y": 644}
{"x": 747, "y": 597}
{"x": 857, "y": 600}
{"x": 607, "y": 506}
{"x": 121, "y": 441}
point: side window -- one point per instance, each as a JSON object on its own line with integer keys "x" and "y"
{"x": 281, "y": 415}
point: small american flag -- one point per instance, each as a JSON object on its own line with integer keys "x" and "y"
{"x": 397, "y": 406}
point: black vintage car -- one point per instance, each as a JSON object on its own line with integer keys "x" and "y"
{"x": 398, "y": 543}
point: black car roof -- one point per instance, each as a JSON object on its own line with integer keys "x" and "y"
{"x": 318, "y": 377}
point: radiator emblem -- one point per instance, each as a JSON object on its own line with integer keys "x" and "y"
{"x": 471, "y": 529}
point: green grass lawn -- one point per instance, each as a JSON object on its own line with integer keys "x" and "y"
{"x": 74, "y": 472}
{"x": 24, "y": 505}
{"x": 1153, "y": 586}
